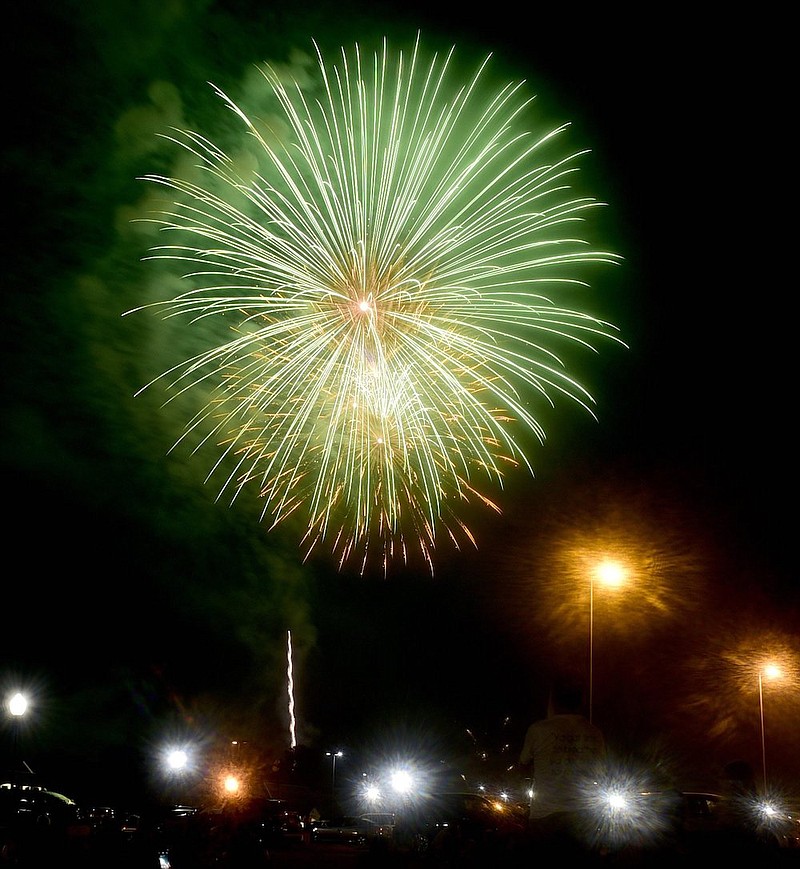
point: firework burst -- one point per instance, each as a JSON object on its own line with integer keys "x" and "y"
{"x": 384, "y": 270}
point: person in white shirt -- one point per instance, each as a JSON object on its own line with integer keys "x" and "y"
{"x": 562, "y": 754}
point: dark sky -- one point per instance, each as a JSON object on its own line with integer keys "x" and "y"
{"x": 134, "y": 599}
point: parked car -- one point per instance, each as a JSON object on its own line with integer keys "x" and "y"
{"x": 190, "y": 837}
{"x": 374, "y": 829}
{"x": 379, "y": 828}
{"x": 38, "y": 825}
{"x": 451, "y": 825}
{"x": 291, "y": 826}
{"x": 348, "y": 830}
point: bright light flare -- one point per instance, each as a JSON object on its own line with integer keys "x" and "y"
{"x": 765, "y": 815}
{"x": 398, "y": 257}
{"x": 607, "y": 522}
{"x": 372, "y": 793}
{"x": 400, "y": 778}
{"x": 231, "y": 784}
{"x": 17, "y": 704}
{"x": 617, "y": 802}
{"x": 402, "y": 781}
{"x": 610, "y": 573}
{"x": 622, "y": 812}
{"x": 741, "y": 673}
{"x": 25, "y": 700}
{"x": 177, "y": 759}
{"x": 227, "y": 784}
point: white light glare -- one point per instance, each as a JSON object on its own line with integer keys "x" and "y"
{"x": 372, "y": 793}
{"x": 617, "y": 802}
{"x": 177, "y": 759}
{"x": 401, "y": 781}
{"x": 18, "y": 704}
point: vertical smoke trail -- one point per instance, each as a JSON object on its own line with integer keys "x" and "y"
{"x": 290, "y": 680}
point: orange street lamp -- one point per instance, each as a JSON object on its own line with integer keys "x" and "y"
{"x": 612, "y": 574}
{"x": 769, "y": 671}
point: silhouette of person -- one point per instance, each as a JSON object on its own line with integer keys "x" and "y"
{"x": 562, "y": 754}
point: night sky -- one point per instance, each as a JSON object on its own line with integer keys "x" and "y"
{"x": 135, "y": 602}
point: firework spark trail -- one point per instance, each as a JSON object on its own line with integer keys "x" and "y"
{"x": 290, "y": 688}
{"x": 383, "y": 268}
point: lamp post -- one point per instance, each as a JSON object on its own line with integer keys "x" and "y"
{"x": 770, "y": 671}
{"x": 333, "y": 755}
{"x": 612, "y": 574}
{"x": 17, "y": 705}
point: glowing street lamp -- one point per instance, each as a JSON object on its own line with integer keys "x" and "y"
{"x": 333, "y": 755}
{"x": 231, "y": 784}
{"x": 372, "y": 793}
{"x": 402, "y": 782}
{"x": 17, "y": 704}
{"x": 176, "y": 760}
{"x": 769, "y": 671}
{"x": 611, "y": 574}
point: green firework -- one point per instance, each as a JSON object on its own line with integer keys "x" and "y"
{"x": 390, "y": 271}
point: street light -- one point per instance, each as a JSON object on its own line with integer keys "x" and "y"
{"x": 176, "y": 760}
{"x": 17, "y": 705}
{"x": 231, "y": 784}
{"x": 612, "y": 574}
{"x": 402, "y": 781}
{"x": 770, "y": 671}
{"x": 333, "y": 755}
